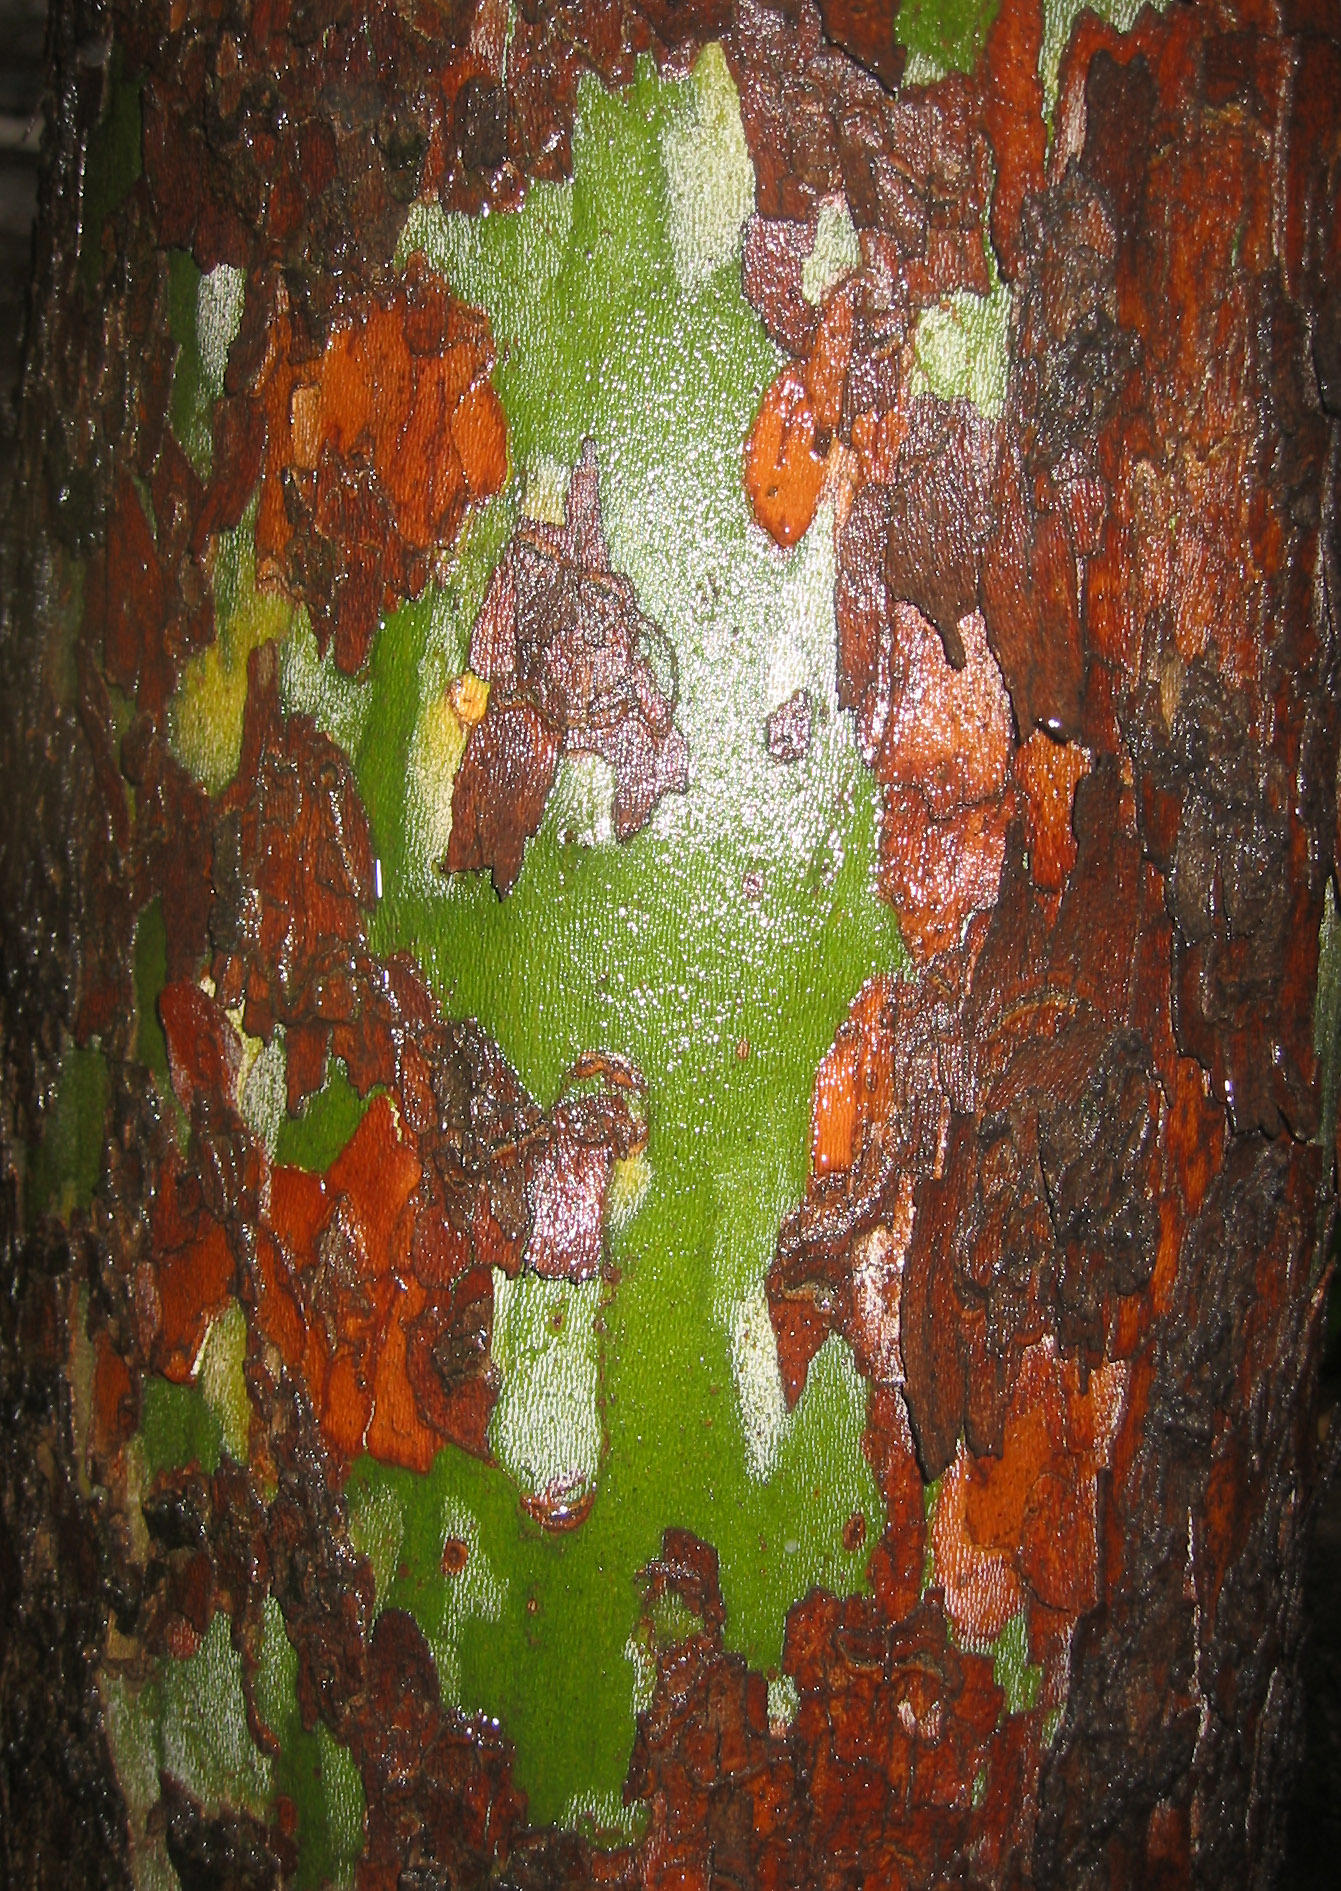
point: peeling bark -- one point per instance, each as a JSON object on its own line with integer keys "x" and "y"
{"x": 1071, "y": 1183}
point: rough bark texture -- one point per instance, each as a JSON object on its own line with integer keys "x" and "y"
{"x": 1072, "y": 1180}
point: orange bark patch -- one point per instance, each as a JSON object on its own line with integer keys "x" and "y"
{"x": 783, "y": 470}
{"x": 373, "y": 453}
{"x": 1027, "y": 1522}
{"x": 852, "y": 1085}
{"x": 115, "y": 1406}
{"x": 944, "y": 762}
{"x": 1048, "y": 772}
{"x": 980, "y": 1581}
{"x": 1013, "y": 116}
{"x": 834, "y": 1119}
{"x": 333, "y": 1261}
{"x": 1059, "y": 1553}
{"x": 398, "y": 1434}
{"x": 195, "y": 1276}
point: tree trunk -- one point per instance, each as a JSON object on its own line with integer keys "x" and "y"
{"x": 671, "y": 990}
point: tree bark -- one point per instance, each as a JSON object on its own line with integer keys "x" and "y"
{"x": 1070, "y": 1193}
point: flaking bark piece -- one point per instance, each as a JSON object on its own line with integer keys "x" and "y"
{"x": 193, "y": 1276}
{"x": 1013, "y": 115}
{"x": 501, "y": 788}
{"x": 913, "y": 166}
{"x": 938, "y": 738}
{"x": 568, "y": 657}
{"x": 225, "y": 1848}
{"x": 940, "y": 515}
{"x": 721, "y": 1787}
{"x": 442, "y": 1807}
{"x": 864, "y": 29}
{"x": 373, "y": 450}
{"x": 1026, "y": 1521}
{"x": 933, "y": 1714}
{"x": 984, "y": 1162}
{"x": 788, "y": 728}
{"x": 773, "y": 257}
{"x": 339, "y": 1300}
{"x": 505, "y": 1185}
{"x": 1048, "y": 773}
{"x": 294, "y": 880}
{"x": 944, "y": 765}
{"x": 375, "y": 1279}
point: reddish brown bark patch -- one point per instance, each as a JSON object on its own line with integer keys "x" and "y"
{"x": 944, "y": 762}
{"x": 1048, "y": 773}
{"x": 1013, "y": 115}
{"x": 788, "y": 728}
{"x": 500, "y": 792}
{"x": 373, "y": 452}
{"x": 293, "y": 881}
{"x": 569, "y": 661}
{"x": 865, "y": 29}
{"x": 913, "y": 166}
{"x": 774, "y": 252}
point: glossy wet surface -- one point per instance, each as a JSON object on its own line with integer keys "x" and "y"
{"x": 579, "y": 1299}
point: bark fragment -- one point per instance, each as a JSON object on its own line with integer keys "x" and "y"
{"x": 571, "y": 664}
{"x": 1060, "y": 1204}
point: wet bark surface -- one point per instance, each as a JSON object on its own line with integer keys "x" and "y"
{"x": 567, "y": 656}
{"x": 1314, "y": 1827}
{"x": 1072, "y": 1179}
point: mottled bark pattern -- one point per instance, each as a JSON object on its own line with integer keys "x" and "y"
{"x": 1070, "y": 1180}
{"x": 566, "y": 654}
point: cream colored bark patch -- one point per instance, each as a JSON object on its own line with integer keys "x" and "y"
{"x": 709, "y": 176}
